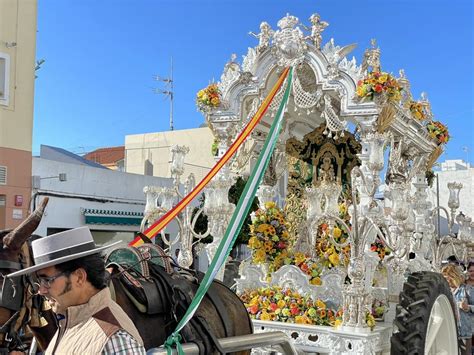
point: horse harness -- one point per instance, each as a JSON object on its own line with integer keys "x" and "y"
{"x": 14, "y": 297}
{"x": 154, "y": 287}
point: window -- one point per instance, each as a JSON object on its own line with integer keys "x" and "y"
{"x": 4, "y": 78}
{"x": 3, "y": 175}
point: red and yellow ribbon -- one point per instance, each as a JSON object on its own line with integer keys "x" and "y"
{"x": 156, "y": 227}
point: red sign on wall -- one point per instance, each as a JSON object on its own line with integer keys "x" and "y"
{"x": 18, "y": 200}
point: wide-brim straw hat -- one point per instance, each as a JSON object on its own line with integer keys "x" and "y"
{"x": 62, "y": 247}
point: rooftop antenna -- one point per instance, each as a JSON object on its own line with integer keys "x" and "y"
{"x": 465, "y": 149}
{"x": 168, "y": 92}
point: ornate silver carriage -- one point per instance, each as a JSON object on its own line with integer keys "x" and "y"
{"x": 338, "y": 121}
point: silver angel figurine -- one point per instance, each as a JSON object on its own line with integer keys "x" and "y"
{"x": 371, "y": 58}
{"x": 264, "y": 36}
{"x": 317, "y": 27}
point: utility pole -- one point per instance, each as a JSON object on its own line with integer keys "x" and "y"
{"x": 168, "y": 92}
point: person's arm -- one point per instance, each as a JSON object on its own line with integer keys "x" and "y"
{"x": 123, "y": 343}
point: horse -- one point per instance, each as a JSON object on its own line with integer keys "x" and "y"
{"x": 220, "y": 314}
{"x": 18, "y": 304}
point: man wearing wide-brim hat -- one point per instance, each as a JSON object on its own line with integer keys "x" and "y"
{"x": 71, "y": 275}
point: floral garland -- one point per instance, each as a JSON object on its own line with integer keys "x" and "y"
{"x": 377, "y": 83}
{"x": 208, "y": 98}
{"x": 329, "y": 255}
{"x": 269, "y": 239}
{"x": 417, "y": 110}
{"x": 437, "y": 130}
{"x": 284, "y": 305}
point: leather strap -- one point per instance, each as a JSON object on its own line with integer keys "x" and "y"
{"x": 5, "y": 264}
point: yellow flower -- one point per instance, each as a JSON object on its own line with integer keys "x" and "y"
{"x": 299, "y": 258}
{"x": 268, "y": 246}
{"x": 269, "y": 205}
{"x": 265, "y": 316}
{"x": 302, "y": 320}
{"x": 200, "y": 93}
{"x": 337, "y": 232}
{"x": 215, "y": 101}
{"x": 361, "y": 91}
{"x": 337, "y": 323}
{"x": 316, "y": 281}
{"x": 253, "y": 242}
{"x": 334, "y": 259}
{"x": 259, "y": 256}
{"x": 383, "y": 78}
{"x": 370, "y": 320}
{"x": 263, "y": 227}
{"x": 320, "y": 304}
{"x": 253, "y": 301}
{"x": 281, "y": 304}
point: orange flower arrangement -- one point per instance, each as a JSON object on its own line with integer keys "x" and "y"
{"x": 438, "y": 131}
{"x": 284, "y": 305}
{"x": 329, "y": 255}
{"x": 377, "y": 83}
{"x": 269, "y": 240}
{"x": 208, "y": 98}
{"x": 417, "y": 110}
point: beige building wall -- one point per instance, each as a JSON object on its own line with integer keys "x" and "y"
{"x": 17, "y": 76}
{"x": 149, "y": 154}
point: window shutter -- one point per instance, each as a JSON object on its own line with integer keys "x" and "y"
{"x": 3, "y": 175}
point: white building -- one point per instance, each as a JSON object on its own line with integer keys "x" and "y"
{"x": 455, "y": 171}
{"x": 149, "y": 153}
{"x": 84, "y": 193}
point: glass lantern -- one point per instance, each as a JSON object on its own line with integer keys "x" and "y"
{"x": 177, "y": 159}
{"x": 454, "y": 189}
{"x": 399, "y": 202}
{"x": 313, "y": 196}
{"x": 168, "y": 196}
{"x": 376, "y": 157}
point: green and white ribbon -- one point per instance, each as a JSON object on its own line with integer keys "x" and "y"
{"x": 237, "y": 220}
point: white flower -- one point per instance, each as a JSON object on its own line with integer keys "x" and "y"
{"x": 253, "y": 217}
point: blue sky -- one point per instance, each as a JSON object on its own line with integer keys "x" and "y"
{"x": 95, "y": 86}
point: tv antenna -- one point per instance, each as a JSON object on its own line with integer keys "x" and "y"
{"x": 167, "y": 91}
{"x": 465, "y": 149}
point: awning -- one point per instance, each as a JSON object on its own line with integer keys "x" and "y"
{"x": 96, "y": 216}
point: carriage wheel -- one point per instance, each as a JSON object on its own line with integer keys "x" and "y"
{"x": 425, "y": 317}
